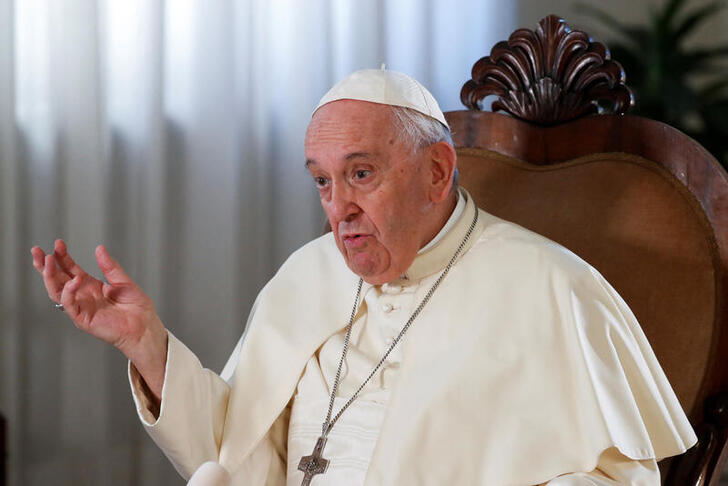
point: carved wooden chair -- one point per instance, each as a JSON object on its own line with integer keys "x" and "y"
{"x": 642, "y": 202}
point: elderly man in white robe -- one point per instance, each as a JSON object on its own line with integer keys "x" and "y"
{"x": 422, "y": 341}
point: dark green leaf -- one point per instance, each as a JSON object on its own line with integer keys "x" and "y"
{"x": 694, "y": 19}
{"x": 716, "y": 116}
{"x": 661, "y": 71}
{"x": 713, "y": 89}
{"x": 632, "y": 63}
{"x": 671, "y": 9}
{"x": 713, "y": 138}
{"x": 631, "y": 32}
{"x": 699, "y": 60}
{"x": 710, "y": 52}
{"x": 678, "y": 99}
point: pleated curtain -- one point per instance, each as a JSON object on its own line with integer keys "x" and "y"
{"x": 171, "y": 131}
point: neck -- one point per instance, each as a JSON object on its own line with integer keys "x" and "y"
{"x": 439, "y": 216}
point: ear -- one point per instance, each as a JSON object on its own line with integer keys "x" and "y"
{"x": 443, "y": 161}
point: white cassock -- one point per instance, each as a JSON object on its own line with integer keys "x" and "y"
{"x": 524, "y": 368}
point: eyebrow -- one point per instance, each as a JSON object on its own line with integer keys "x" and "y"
{"x": 348, "y": 157}
{"x": 359, "y": 155}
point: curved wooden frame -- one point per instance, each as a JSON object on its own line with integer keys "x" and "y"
{"x": 549, "y": 76}
{"x": 690, "y": 164}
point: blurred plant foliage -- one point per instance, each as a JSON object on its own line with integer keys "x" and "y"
{"x": 686, "y": 87}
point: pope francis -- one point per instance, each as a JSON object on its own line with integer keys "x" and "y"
{"x": 422, "y": 341}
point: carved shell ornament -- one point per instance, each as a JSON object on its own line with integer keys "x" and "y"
{"x": 549, "y": 76}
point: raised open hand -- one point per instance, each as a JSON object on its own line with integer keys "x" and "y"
{"x": 117, "y": 312}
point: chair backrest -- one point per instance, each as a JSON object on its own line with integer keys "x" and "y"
{"x": 640, "y": 201}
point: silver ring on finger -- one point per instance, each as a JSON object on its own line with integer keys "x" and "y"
{"x": 59, "y": 307}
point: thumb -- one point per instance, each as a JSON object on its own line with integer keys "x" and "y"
{"x": 112, "y": 270}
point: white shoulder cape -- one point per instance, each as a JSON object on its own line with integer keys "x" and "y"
{"x": 525, "y": 365}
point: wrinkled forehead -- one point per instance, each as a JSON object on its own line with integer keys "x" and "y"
{"x": 351, "y": 119}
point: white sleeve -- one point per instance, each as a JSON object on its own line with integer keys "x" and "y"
{"x": 613, "y": 469}
{"x": 232, "y": 362}
{"x": 191, "y": 416}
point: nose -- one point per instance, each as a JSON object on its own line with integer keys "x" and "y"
{"x": 342, "y": 205}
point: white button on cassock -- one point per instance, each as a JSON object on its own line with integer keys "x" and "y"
{"x": 387, "y": 308}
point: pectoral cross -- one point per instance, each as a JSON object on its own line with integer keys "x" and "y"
{"x": 313, "y": 464}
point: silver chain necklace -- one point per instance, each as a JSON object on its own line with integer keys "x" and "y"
{"x": 315, "y": 463}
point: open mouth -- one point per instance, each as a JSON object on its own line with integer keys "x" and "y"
{"x": 354, "y": 240}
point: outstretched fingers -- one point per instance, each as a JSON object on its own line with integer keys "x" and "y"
{"x": 112, "y": 270}
{"x": 54, "y": 281}
{"x": 67, "y": 264}
{"x": 68, "y": 298}
{"x": 38, "y": 258}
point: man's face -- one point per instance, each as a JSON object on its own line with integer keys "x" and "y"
{"x": 373, "y": 187}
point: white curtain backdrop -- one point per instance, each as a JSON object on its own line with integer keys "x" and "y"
{"x": 172, "y": 131}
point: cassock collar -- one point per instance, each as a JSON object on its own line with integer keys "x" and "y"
{"x": 436, "y": 258}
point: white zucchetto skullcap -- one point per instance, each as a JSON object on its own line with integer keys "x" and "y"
{"x": 387, "y": 88}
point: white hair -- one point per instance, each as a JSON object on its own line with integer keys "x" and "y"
{"x": 420, "y": 130}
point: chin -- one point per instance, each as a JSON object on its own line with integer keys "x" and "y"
{"x": 373, "y": 266}
{"x": 366, "y": 270}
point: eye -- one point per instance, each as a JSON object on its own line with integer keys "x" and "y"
{"x": 362, "y": 174}
{"x": 321, "y": 182}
